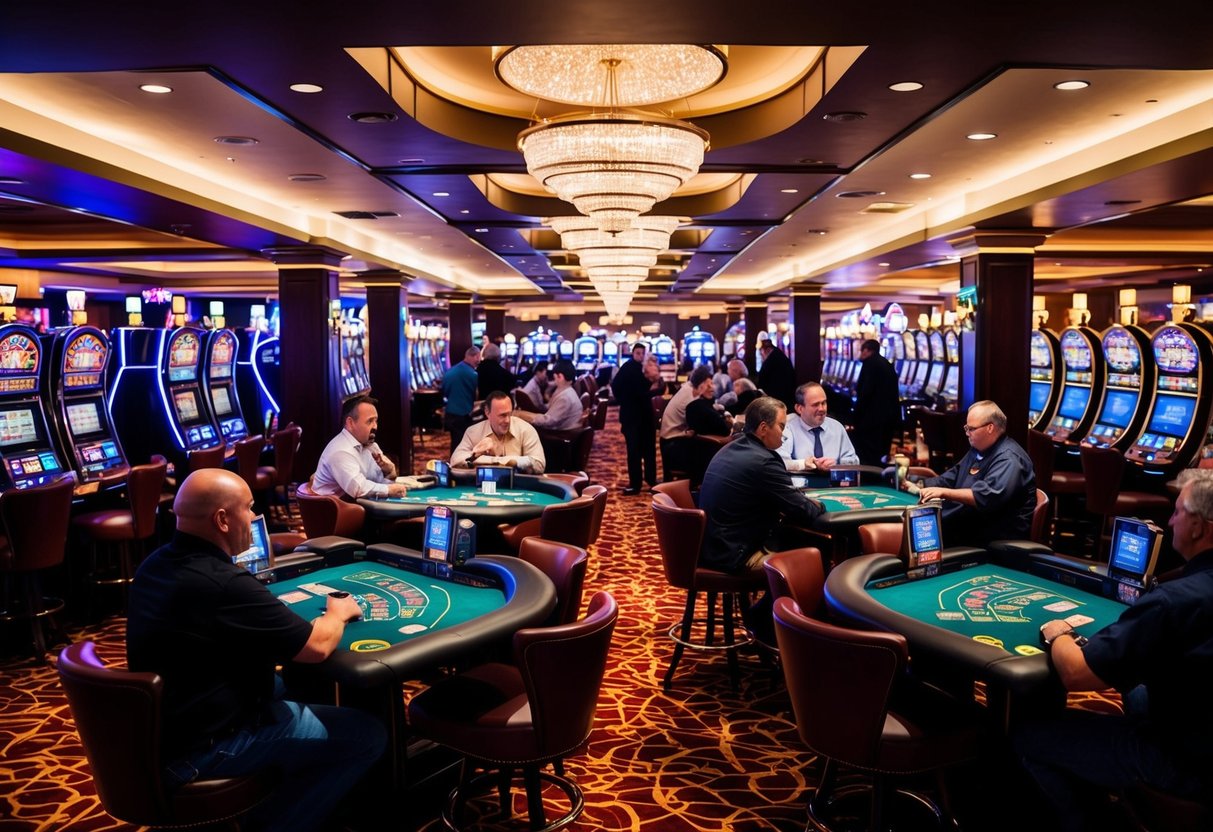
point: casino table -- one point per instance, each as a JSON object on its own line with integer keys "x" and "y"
{"x": 976, "y": 620}
{"x": 848, "y": 508}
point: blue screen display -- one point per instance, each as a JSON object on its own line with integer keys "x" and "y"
{"x": 1118, "y": 408}
{"x": 1172, "y": 414}
{"x": 1038, "y": 396}
{"x": 439, "y": 528}
{"x": 1132, "y": 546}
{"x": 1074, "y": 402}
{"x": 924, "y": 532}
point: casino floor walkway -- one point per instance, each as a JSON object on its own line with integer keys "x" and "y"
{"x": 700, "y": 758}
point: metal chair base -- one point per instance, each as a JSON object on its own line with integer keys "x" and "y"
{"x": 459, "y": 796}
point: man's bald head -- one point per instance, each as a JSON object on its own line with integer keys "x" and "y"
{"x": 217, "y": 506}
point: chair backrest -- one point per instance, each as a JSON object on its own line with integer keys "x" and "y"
{"x": 598, "y": 420}
{"x": 659, "y": 403}
{"x": 207, "y": 458}
{"x": 883, "y": 538}
{"x": 679, "y": 534}
{"x": 798, "y": 574}
{"x": 1040, "y": 518}
{"x": 35, "y": 522}
{"x": 248, "y": 458}
{"x": 324, "y": 514}
{"x": 677, "y": 490}
{"x": 1102, "y": 469}
{"x": 597, "y": 493}
{"x": 839, "y": 682}
{"x": 565, "y": 567}
{"x": 286, "y": 446}
{"x": 569, "y": 522}
{"x": 117, "y": 715}
{"x": 563, "y": 667}
{"x": 1040, "y": 451}
{"x": 583, "y": 445}
{"x": 144, "y": 485}
{"x": 523, "y": 402}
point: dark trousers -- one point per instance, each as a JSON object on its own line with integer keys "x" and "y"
{"x": 872, "y": 443}
{"x": 641, "y": 443}
{"x": 456, "y": 425}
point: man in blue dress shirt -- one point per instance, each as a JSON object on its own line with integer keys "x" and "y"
{"x": 813, "y": 441}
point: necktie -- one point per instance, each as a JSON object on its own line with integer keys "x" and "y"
{"x": 818, "y": 451}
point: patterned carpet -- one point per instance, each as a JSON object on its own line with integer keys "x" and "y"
{"x": 700, "y": 759}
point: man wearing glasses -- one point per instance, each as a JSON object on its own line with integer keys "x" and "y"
{"x": 991, "y": 493}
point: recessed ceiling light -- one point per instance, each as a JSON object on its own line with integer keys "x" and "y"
{"x": 844, "y": 116}
{"x": 372, "y": 118}
{"x": 410, "y": 161}
{"x": 920, "y": 176}
{"x": 244, "y": 141}
{"x": 821, "y": 232}
{"x": 1075, "y": 84}
{"x": 981, "y": 137}
{"x": 858, "y": 194}
{"x": 156, "y": 89}
{"x": 306, "y": 177}
{"x": 482, "y": 231}
{"x": 442, "y": 193}
{"x": 905, "y": 86}
{"x": 884, "y": 265}
{"x": 309, "y": 88}
{"x": 789, "y": 190}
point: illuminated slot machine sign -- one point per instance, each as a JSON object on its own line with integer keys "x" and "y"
{"x": 90, "y": 435}
{"x": 663, "y": 348}
{"x": 1179, "y": 416}
{"x": 909, "y": 365}
{"x": 1042, "y": 390}
{"x": 951, "y": 379}
{"x": 610, "y": 353}
{"x": 25, "y": 447}
{"x": 1128, "y": 375}
{"x": 1083, "y": 362}
{"x": 184, "y": 395}
{"x": 587, "y": 352}
{"x": 219, "y": 368}
{"x": 564, "y": 349}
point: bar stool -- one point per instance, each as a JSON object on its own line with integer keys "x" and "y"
{"x": 1102, "y": 470}
{"x": 1053, "y": 482}
{"x": 248, "y": 459}
{"x": 207, "y": 457}
{"x": 34, "y": 537}
{"x": 286, "y": 445}
{"x": 122, "y": 527}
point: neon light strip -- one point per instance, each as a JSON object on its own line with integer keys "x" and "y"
{"x": 257, "y": 373}
{"x": 172, "y": 421}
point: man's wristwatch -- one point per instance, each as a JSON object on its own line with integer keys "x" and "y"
{"x": 1048, "y": 642}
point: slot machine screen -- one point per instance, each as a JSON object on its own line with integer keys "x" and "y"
{"x": 1074, "y": 402}
{"x": 951, "y": 384}
{"x": 439, "y": 534}
{"x": 223, "y": 349}
{"x": 1038, "y": 397}
{"x": 587, "y": 351}
{"x": 186, "y": 404}
{"x": 936, "y": 378}
{"x": 83, "y": 418}
{"x": 1118, "y": 408}
{"x": 1075, "y": 351}
{"x": 1040, "y": 354}
{"x": 18, "y": 427}
{"x": 221, "y": 400}
{"x": 183, "y": 357}
{"x": 1172, "y": 415}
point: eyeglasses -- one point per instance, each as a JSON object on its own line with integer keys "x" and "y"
{"x": 970, "y": 428}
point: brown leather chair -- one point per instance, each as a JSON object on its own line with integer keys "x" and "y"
{"x": 570, "y": 523}
{"x": 583, "y": 446}
{"x": 248, "y": 465}
{"x": 1102, "y": 470}
{"x": 32, "y": 540}
{"x": 286, "y": 446}
{"x": 598, "y": 417}
{"x": 680, "y": 535}
{"x": 118, "y": 718}
{"x": 123, "y": 527}
{"x": 207, "y": 458}
{"x": 1054, "y": 483}
{"x": 577, "y": 480}
{"x": 883, "y": 538}
{"x": 677, "y": 490}
{"x": 324, "y": 515}
{"x": 523, "y": 402}
{"x": 565, "y": 566}
{"x": 839, "y": 682}
{"x": 538, "y": 710}
{"x": 659, "y": 403}
{"x": 599, "y": 494}
{"x": 1040, "y": 519}
{"x": 798, "y": 574}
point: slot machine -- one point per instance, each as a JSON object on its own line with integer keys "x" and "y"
{"x": 586, "y": 350}
{"x": 909, "y": 363}
{"x": 181, "y": 390}
{"x": 219, "y": 369}
{"x": 1177, "y": 427}
{"x": 354, "y": 378}
{"x": 1131, "y": 371}
{"x": 258, "y": 357}
{"x": 564, "y": 349}
{"x": 27, "y": 450}
{"x": 698, "y": 347}
{"x": 950, "y": 394}
{"x": 922, "y": 348}
{"x": 610, "y": 353}
{"x": 1080, "y": 385}
{"x": 510, "y": 351}
{"x": 663, "y": 348}
{"x": 933, "y": 388}
{"x": 1044, "y": 351}
{"x": 80, "y": 414}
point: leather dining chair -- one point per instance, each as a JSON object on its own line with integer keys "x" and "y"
{"x": 565, "y": 567}
{"x": 571, "y": 522}
{"x": 677, "y": 490}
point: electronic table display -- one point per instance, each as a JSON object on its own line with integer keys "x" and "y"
{"x": 923, "y": 536}
{"x": 502, "y": 475}
{"x": 259, "y": 557}
{"x": 1133, "y": 556}
{"x": 439, "y": 535}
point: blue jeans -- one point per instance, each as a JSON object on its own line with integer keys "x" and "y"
{"x": 321, "y": 750}
{"x": 1072, "y": 752}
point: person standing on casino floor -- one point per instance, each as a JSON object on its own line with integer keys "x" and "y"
{"x": 490, "y": 375}
{"x": 214, "y": 634}
{"x": 877, "y": 412}
{"x": 813, "y": 441}
{"x": 459, "y": 392}
{"x": 634, "y": 387}
{"x": 991, "y": 493}
{"x": 777, "y": 377}
{"x": 1153, "y": 654}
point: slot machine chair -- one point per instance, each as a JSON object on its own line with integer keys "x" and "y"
{"x": 538, "y": 710}
{"x": 571, "y": 523}
{"x": 248, "y": 459}
{"x": 680, "y": 535}
{"x": 206, "y": 458}
{"x": 35, "y": 522}
{"x": 679, "y": 491}
{"x": 565, "y": 567}
{"x": 839, "y": 682}
{"x": 1053, "y": 482}
{"x": 124, "y": 527}
{"x": 1102, "y": 470}
{"x": 118, "y": 718}
{"x": 286, "y": 446}
{"x": 798, "y": 574}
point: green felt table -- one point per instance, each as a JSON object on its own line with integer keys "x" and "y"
{"x": 849, "y": 507}
{"x": 861, "y": 498}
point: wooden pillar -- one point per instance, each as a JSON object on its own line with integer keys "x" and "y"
{"x": 459, "y": 327}
{"x": 494, "y": 321}
{"x": 310, "y": 353}
{"x": 387, "y": 311}
{"x": 755, "y": 324}
{"x": 999, "y": 266}
{"x": 805, "y": 317}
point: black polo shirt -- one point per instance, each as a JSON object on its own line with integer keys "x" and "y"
{"x": 214, "y": 634}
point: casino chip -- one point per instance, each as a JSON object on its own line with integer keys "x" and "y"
{"x": 369, "y": 645}
{"x": 991, "y": 640}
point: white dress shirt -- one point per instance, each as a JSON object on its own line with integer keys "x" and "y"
{"x": 674, "y": 418}
{"x": 563, "y": 413}
{"x": 520, "y": 447}
{"x": 798, "y": 443}
{"x": 348, "y": 468}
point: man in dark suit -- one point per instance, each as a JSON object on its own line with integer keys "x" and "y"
{"x": 633, "y": 388}
{"x": 877, "y": 412}
{"x": 777, "y": 377}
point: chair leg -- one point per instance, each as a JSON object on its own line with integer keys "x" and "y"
{"x": 688, "y": 621}
{"x": 534, "y": 797}
{"x": 504, "y": 777}
{"x": 730, "y": 600}
{"x": 710, "y": 634}
{"x": 825, "y": 789}
{"x": 879, "y": 793}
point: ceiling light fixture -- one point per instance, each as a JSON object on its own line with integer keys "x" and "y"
{"x": 981, "y": 137}
{"x": 156, "y": 89}
{"x": 920, "y": 176}
{"x": 1075, "y": 84}
{"x": 905, "y": 86}
{"x": 307, "y": 88}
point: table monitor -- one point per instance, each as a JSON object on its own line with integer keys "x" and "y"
{"x": 438, "y": 539}
{"x": 503, "y": 475}
{"x": 1134, "y": 554}
{"x": 260, "y": 556}
{"x": 923, "y": 541}
{"x": 844, "y": 477}
{"x": 441, "y": 469}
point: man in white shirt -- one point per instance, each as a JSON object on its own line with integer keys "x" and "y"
{"x": 501, "y": 439}
{"x": 564, "y": 410}
{"x": 537, "y": 386}
{"x": 814, "y": 441}
{"x": 352, "y": 465}
{"x": 674, "y": 418}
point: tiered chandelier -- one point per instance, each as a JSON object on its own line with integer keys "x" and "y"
{"x": 613, "y": 164}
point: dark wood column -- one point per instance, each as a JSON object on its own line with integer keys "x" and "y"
{"x": 311, "y": 388}
{"x": 805, "y": 317}
{"x": 459, "y": 327}
{"x": 995, "y": 355}
{"x": 494, "y": 321}
{"x": 387, "y": 310}
{"x": 755, "y": 324}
